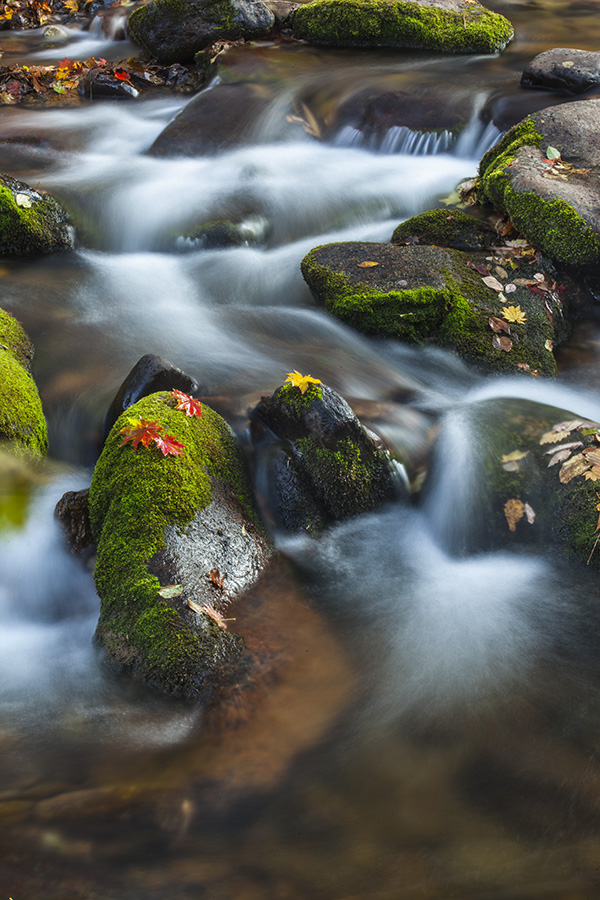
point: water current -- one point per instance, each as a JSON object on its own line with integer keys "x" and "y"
{"x": 437, "y": 731}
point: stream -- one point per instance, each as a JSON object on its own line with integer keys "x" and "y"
{"x": 436, "y": 732}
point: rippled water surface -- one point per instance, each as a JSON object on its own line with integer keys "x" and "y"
{"x": 434, "y": 731}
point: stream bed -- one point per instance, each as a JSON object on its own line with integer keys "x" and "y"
{"x": 435, "y": 732}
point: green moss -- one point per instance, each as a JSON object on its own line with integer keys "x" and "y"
{"x": 380, "y": 23}
{"x": 347, "y": 480}
{"x": 134, "y": 497}
{"x": 501, "y": 154}
{"x": 294, "y": 398}
{"x": 35, "y": 229}
{"x": 444, "y": 228}
{"x": 22, "y": 419}
{"x": 453, "y": 316}
{"x": 14, "y": 340}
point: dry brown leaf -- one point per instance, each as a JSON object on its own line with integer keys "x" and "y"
{"x": 501, "y": 272}
{"x": 574, "y": 445}
{"x": 573, "y": 467}
{"x": 502, "y": 343}
{"x": 592, "y": 474}
{"x": 498, "y": 325}
{"x": 515, "y": 455}
{"x": 492, "y": 283}
{"x": 569, "y": 425}
{"x": 559, "y": 457}
{"x": 592, "y": 454}
{"x": 514, "y": 511}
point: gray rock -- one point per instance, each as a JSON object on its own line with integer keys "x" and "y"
{"x": 574, "y": 71}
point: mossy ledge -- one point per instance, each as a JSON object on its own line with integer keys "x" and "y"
{"x": 22, "y": 421}
{"x": 552, "y": 225}
{"x": 381, "y": 23}
{"x": 134, "y": 497}
{"x": 30, "y": 222}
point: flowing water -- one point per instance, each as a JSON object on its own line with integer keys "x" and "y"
{"x": 436, "y": 730}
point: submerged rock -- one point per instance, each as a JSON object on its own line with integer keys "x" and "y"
{"x": 150, "y": 374}
{"x": 22, "y": 421}
{"x": 446, "y": 25}
{"x": 174, "y": 31}
{"x": 574, "y": 71}
{"x": 427, "y": 294}
{"x": 31, "y": 222}
{"x": 178, "y": 542}
{"x": 324, "y": 465}
{"x": 555, "y": 204}
{"x": 533, "y": 479}
{"x": 220, "y": 118}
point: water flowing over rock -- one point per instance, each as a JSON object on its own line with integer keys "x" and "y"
{"x": 446, "y": 25}
{"x": 564, "y": 69}
{"x": 178, "y": 543}
{"x": 554, "y": 203}
{"x": 22, "y": 422}
{"x": 428, "y": 294}
{"x": 174, "y": 32}
{"x": 324, "y": 465}
{"x": 533, "y": 477}
{"x": 31, "y": 222}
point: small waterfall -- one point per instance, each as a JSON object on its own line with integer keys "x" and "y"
{"x": 471, "y": 142}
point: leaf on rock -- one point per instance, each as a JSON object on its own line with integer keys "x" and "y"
{"x": 367, "y": 264}
{"x": 169, "y": 445}
{"x": 493, "y": 283}
{"x": 171, "y": 590}
{"x": 140, "y": 431}
{"x": 510, "y": 288}
{"x": 502, "y": 343}
{"x": 552, "y": 153}
{"x": 514, "y": 314}
{"x": 514, "y": 511}
{"x": 573, "y": 467}
{"x": 592, "y": 454}
{"x": 501, "y": 272}
{"x": 301, "y": 381}
{"x": 549, "y": 345}
{"x": 574, "y": 445}
{"x": 478, "y": 267}
{"x": 592, "y": 474}
{"x": 559, "y": 457}
{"x": 191, "y": 406}
{"x": 515, "y": 456}
{"x": 529, "y": 513}
{"x": 23, "y": 200}
{"x": 498, "y": 325}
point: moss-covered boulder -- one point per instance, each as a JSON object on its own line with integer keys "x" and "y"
{"x": 446, "y": 228}
{"x": 31, "y": 222}
{"x": 427, "y": 294}
{"x": 530, "y": 479}
{"x": 175, "y": 30}
{"x": 555, "y": 203}
{"x": 448, "y": 25}
{"x": 320, "y": 464}
{"x": 178, "y": 543}
{"x": 22, "y": 421}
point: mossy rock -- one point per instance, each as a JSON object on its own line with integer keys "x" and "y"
{"x": 426, "y": 294}
{"x": 445, "y": 228}
{"x": 520, "y": 493}
{"x": 175, "y": 30}
{"x": 22, "y": 421}
{"x": 445, "y": 25}
{"x": 186, "y": 520}
{"x": 31, "y": 222}
{"x": 323, "y": 465}
{"x": 556, "y": 205}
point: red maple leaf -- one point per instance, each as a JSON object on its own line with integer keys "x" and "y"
{"x": 192, "y": 407}
{"x": 168, "y": 445}
{"x": 122, "y": 75}
{"x": 141, "y": 432}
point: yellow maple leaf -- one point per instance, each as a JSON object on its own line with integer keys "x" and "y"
{"x": 514, "y": 510}
{"x": 71, "y": 5}
{"x": 301, "y": 381}
{"x": 514, "y": 314}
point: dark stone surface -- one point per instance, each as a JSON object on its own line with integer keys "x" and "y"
{"x": 374, "y": 112}
{"x": 564, "y": 69}
{"x": 72, "y": 511}
{"x": 150, "y": 374}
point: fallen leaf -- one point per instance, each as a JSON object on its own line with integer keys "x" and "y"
{"x": 549, "y": 345}
{"x": 573, "y": 467}
{"x": 552, "y": 153}
{"x": 509, "y": 288}
{"x": 171, "y": 590}
{"x": 301, "y": 381}
{"x": 501, "y": 272}
{"x": 502, "y": 343}
{"x": 592, "y": 474}
{"x": 140, "y": 431}
{"x": 514, "y": 511}
{"x": 559, "y": 457}
{"x": 568, "y": 425}
{"x": 568, "y": 63}
{"x": 23, "y": 200}
{"x": 529, "y": 513}
{"x": 498, "y": 325}
{"x": 514, "y": 314}
{"x": 592, "y": 454}
{"x": 492, "y": 283}
{"x": 216, "y": 578}
{"x": 367, "y": 264}
{"x": 169, "y": 445}
{"x": 515, "y": 455}
{"x": 478, "y": 267}
{"x": 191, "y": 406}
{"x": 572, "y": 446}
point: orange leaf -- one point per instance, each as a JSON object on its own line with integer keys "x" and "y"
{"x": 514, "y": 510}
{"x": 367, "y": 264}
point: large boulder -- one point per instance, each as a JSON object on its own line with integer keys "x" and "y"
{"x": 31, "y": 222}
{"x": 321, "y": 465}
{"x": 448, "y": 25}
{"x": 574, "y": 71}
{"x": 554, "y": 203}
{"x": 533, "y": 479}
{"x": 22, "y": 421}
{"x": 487, "y": 311}
{"x": 178, "y": 543}
{"x": 175, "y": 30}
